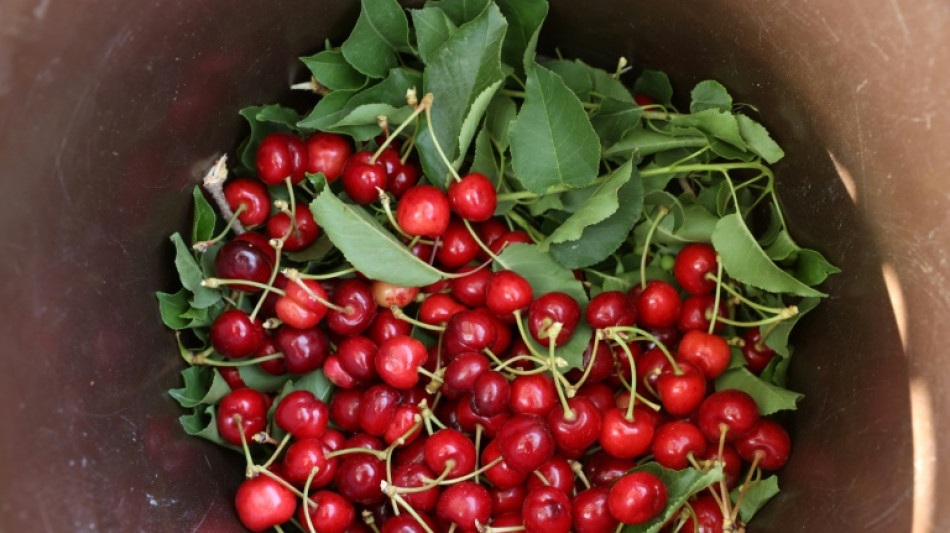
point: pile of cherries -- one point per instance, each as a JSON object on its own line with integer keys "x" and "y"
{"x": 482, "y": 427}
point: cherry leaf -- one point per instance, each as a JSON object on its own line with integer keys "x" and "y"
{"x": 591, "y": 205}
{"x": 264, "y": 120}
{"x": 710, "y": 94}
{"x": 757, "y": 495}
{"x": 715, "y": 123}
{"x": 614, "y": 119}
{"x": 189, "y": 271}
{"x": 461, "y": 11}
{"x": 638, "y": 143}
{"x": 656, "y": 85}
{"x": 776, "y": 337}
{"x": 315, "y": 383}
{"x": 524, "y": 25}
{"x": 770, "y": 398}
{"x": 258, "y": 379}
{"x": 381, "y": 31}
{"x": 680, "y": 485}
{"x": 327, "y": 112}
{"x": 202, "y": 229}
{"x": 201, "y": 423}
{"x": 552, "y": 141}
{"x": 367, "y": 245}
{"x": 433, "y": 27}
{"x": 576, "y": 76}
{"x": 758, "y": 140}
{"x": 171, "y": 307}
{"x": 332, "y": 70}
{"x": 201, "y": 385}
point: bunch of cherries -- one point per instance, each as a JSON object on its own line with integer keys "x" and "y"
{"x": 482, "y": 427}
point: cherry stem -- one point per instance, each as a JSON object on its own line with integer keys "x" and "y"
{"x": 204, "y": 245}
{"x": 553, "y": 332}
{"x": 248, "y": 460}
{"x": 294, "y": 276}
{"x": 436, "y": 378}
{"x": 427, "y": 105}
{"x": 332, "y": 275}
{"x": 345, "y": 451}
{"x": 590, "y": 364}
{"x": 214, "y": 283}
{"x": 369, "y": 520}
{"x": 202, "y": 360}
{"x": 503, "y": 365}
{"x": 526, "y": 338}
{"x": 479, "y": 241}
{"x": 474, "y": 473}
{"x": 613, "y": 334}
{"x": 311, "y": 85}
{"x": 662, "y": 211}
{"x": 405, "y": 505}
{"x": 430, "y": 417}
{"x": 424, "y": 106}
{"x": 541, "y": 477}
{"x": 401, "y": 315}
{"x": 633, "y": 380}
{"x": 280, "y": 480}
{"x": 745, "y": 486}
{"x": 739, "y": 296}
{"x": 273, "y": 276}
{"x": 506, "y": 529}
{"x": 307, "y": 502}
{"x": 784, "y": 314}
{"x": 283, "y": 442}
{"x": 387, "y": 208}
{"x": 214, "y": 183}
{"x": 715, "y": 315}
{"x": 578, "y": 469}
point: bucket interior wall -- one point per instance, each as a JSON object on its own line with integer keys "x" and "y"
{"x": 111, "y": 112}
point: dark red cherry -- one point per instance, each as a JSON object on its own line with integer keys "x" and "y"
{"x": 556, "y": 473}
{"x": 491, "y": 393}
{"x": 589, "y": 511}
{"x": 457, "y": 246}
{"x": 414, "y": 476}
{"x": 234, "y": 335}
{"x": 729, "y": 410}
{"x": 470, "y": 289}
{"x": 402, "y": 179}
{"x": 358, "y": 358}
{"x": 756, "y": 353}
{"x": 692, "y": 265}
{"x": 359, "y": 307}
{"x": 238, "y": 259}
{"x": 329, "y": 512}
{"x": 304, "y": 350}
{"x": 449, "y": 449}
{"x": 302, "y": 458}
{"x": 551, "y": 308}
{"x": 358, "y": 478}
{"x": 465, "y": 504}
{"x": 533, "y": 394}
{"x": 473, "y": 197}
{"x": 251, "y": 197}
{"x": 327, "y": 153}
{"x": 242, "y": 409}
{"x": 501, "y": 475}
{"x": 362, "y": 180}
{"x": 610, "y": 308}
{"x": 697, "y": 313}
{"x": 576, "y": 429}
{"x": 767, "y": 444}
{"x": 377, "y": 408}
{"x": 525, "y": 442}
{"x": 547, "y": 510}
{"x": 468, "y": 331}
{"x": 302, "y": 414}
{"x": 602, "y": 469}
{"x": 280, "y": 156}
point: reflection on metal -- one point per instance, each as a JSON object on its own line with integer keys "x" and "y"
{"x": 925, "y": 456}
{"x": 896, "y": 294}
{"x": 846, "y": 178}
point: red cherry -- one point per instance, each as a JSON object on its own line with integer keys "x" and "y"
{"x": 501, "y": 475}
{"x": 302, "y": 414}
{"x": 507, "y": 500}
{"x": 238, "y": 259}
{"x": 406, "y": 523}
{"x": 557, "y": 473}
{"x": 242, "y": 409}
{"x": 658, "y": 305}
{"x": 602, "y": 363}
{"x": 470, "y": 289}
{"x": 386, "y": 326}
{"x": 299, "y": 235}
{"x": 359, "y": 308}
{"x": 377, "y": 408}
{"x": 361, "y": 179}
{"x": 423, "y": 211}
{"x": 697, "y": 313}
{"x": 590, "y": 513}
{"x": 262, "y": 243}
{"x": 327, "y": 153}
{"x": 508, "y": 292}
{"x": 599, "y": 394}
{"x": 281, "y": 156}
{"x": 403, "y": 427}
{"x": 637, "y": 497}
{"x": 550, "y": 308}
{"x": 254, "y": 198}
{"x": 462, "y": 373}
{"x": 732, "y": 463}
{"x": 468, "y": 420}
{"x": 232, "y": 377}
{"x": 357, "y": 356}
{"x": 311, "y": 298}
{"x": 626, "y": 439}
{"x": 525, "y": 442}
{"x": 602, "y": 469}
{"x": 358, "y": 478}
{"x": 438, "y": 308}
{"x": 533, "y": 394}
{"x": 577, "y": 429}
{"x": 681, "y": 394}
{"x": 402, "y": 179}
{"x": 546, "y": 509}
{"x": 643, "y": 100}
{"x": 329, "y": 512}
{"x": 449, "y": 449}
{"x": 345, "y": 409}
{"x": 692, "y": 264}
{"x": 509, "y": 238}
{"x": 458, "y": 247}
{"x": 302, "y": 458}
{"x": 710, "y": 353}
{"x": 675, "y": 441}
{"x": 610, "y": 308}
{"x": 262, "y": 503}
{"x": 414, "y": 476}
{"x": 473, "y": 197}
{"x": 469, "y": 331}
{"x": 491, "y": 393}
{"x": 465, "y": 504}
{"x": 756, "y": 353}
{"x": 729, "y": 410}
{"x": 304, "y": 350}
{"x": 398, "y": 360}
{"x": 768, "y": 442}
{"x": 234, "y": 335}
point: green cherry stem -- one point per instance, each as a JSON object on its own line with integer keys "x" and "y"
{"x": 331, "y": 275}
{"x": 307, "y": 502}
{"x": 525, "y": 337}
{"x": 203, "y": 246}
{"x": 613, "y": 333}
{"x": 553, "y": 332}
{"x": 214, "y": 283}
{"x": 740, "y": 297}
{"x": 427, "y": 105}
{"x": 283, "y": 442}
{"x": 278, "y": 245}
{"x": 387, "y": 208}
{"x": 587, "y": 369}
{"x": 201, "y": 360}
{"x": 478, "y": 240}
{"x": 715, "y": 315}
{"x": 783, "y": 314}
{"x": 294, "y": 276}
{"x": 399, "y": 314}
{"x": 346, "y": 451}
{"x": 389, "y": 138}
{"x": 633, "y": 380}
{"x": 662, "y": 210}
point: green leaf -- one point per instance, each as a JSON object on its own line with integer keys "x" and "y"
{"x": 484, "y": 160}
{"x": 501, "y": 111}
{"x": 603, "y": 238}
{"x": 714, "y": 123}
{"x": 524, "y": 24}
{"x": 782, "y": 247}
{"x": 362, "y": 122}
{"x": 461, "y": 11}
{"x": 380, "y": 32}
{"x": 745, "y": 261}
{"x": 258, "y": 379}
{"x": 171, "y": 307}
{"x": 202, "y": 385}
{"x": 812, "y": 268}
{"x": 367, "y": 245}
{"x": 680, "y": 485}
{"x": 615, "y": 119}
{"x": 756, "y": 496}
{"x": 777, "y": 338}
{"x": 606, "y": 85}
{"x": 202, "y": 229}
{"x": 552, "y": 141}
{"x": 472, "y": 120}
{"x": 656, "y": 85}
{"x": 392, "y": 90}
{"x": 458, "y": 74}
{"x": 576, "y": 76}
{"x": 599, "y": 203}
{"x": 758, "y": 140}
{"x": 263, "y": 121}
{"x": 313, "y": 253}
{"x": 316, "y": 383}
{"x": 201, "y": 318}
{"x": 433, "y": 27}
{"x": 202, "y": 424}
{"x": 191, "y": 275}
{"x": 327, "y": 112}
{"x": 770, "y": 398}
{"x": 638, "y": 143}
{"x": 710, "y": 94}
{"x": 332, "y": 71}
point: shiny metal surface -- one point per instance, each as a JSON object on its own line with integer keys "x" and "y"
{"x": 110, "y": 111}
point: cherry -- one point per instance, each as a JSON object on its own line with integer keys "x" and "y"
{"x": 329, "y": 512}
{"x": 577, "y": 429}
{"x": 359, "y": 308}
{"x": 242, "y": 409}
{"x": 525, "y": 442}
{"x": 263, "y": 244}
{"x": 377, "y": 408}
{"x": 300, "y": 234}
{"x": 302, "y": 307}
{"x": 706, "y": 516}
{"x": 304, "y": 350}
{"x": 252, "y": 196}
{"x": 599, "y": 394}
{"x": 509, "y": 238}
{"x": 508, "y": 292}
{"x": 757, "y": 355}
{"x": 697, "y": 313}
{"x": 363, "y": 179}
{"x": 327, "y": 153}
{"x": 658, "y": 305}
{"x": 469, "y": 420}
{"x": 546, "y": 509}
{"x": 465, "y": 504}
{"x": 681, "y": 394}
{"x": 590, "y": 513}
{"x": 358, "y": 358}
{"x": 234, "y": 335}
{"x": 623, "y": 438}
{"x": 550, "y": 308}
{"x": 450, "y": 449}
{"x": 602, "y": 363}
{"x": 556, "y": 473}
{"x": 398, "y": 360}
{"x": 358, "y": 478}
{"x": 438, "y": 308}
{"x": 470, "y": 289}
{"x": 767, "y": 443}
{"x": 710, "y": 353}
{"x": 402, "y": 179}
{"x": 280, "y": 156}
{"x": 388, "y": 295}
{"x": 263, "y": 503}
{"x": 732, "y": 463}
{"x": 274, "y": 367}
{"x": 302, "y": 414}
{"x": 345, "y": 409}
{"x": 491, "y": 393}
{"x": 468, "y": 331}
{"x": 238, "y": 259}
{"x": 406, "y": 523}
{"x": 729, "y": 410}
{"x": 675, "y": 441}
{"x": 414, "y": 476}
{"x": 302, "y": 458}
{"x": 462, "y": 373}
{"x": 294, "y": 314}
{"x": 501, "y": 475}
{"x": 637, "y": 497}
{"x": 643, "y": 100}
{"x": 232, "y": 376}
{"x": 608, "y": 309}
{"x": 489, "y": 231}
{"x": 386, "y": 326}
{"x": 507, "y": 500}
{"x": 649, "y": 367}
{"x": 602, "y": 469}
{"x": 533, "y": 394}
{"x": 473, "y": 197}
{"x": 692, "y": 264}
{"x": 423, "y": 211}
{"x": 402, "y": 429}
{"x": 458, "y": 247}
